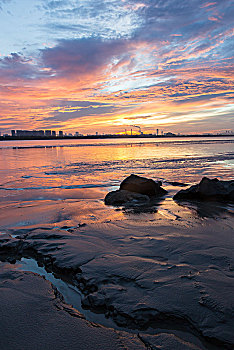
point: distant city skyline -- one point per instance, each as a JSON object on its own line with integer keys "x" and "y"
{"x": 38, "y": 134}
{"x": 106, "y": 66}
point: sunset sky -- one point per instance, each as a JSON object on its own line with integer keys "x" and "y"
{"x": 104, "y": 65}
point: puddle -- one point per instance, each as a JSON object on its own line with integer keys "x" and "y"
{"x": 70, "y": 293}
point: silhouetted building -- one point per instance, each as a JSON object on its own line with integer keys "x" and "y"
{"x": 40, "y": 133}
{"x": 60, "y": 133}
{"x": 29, "y": 133}
{"x": 53, "y": 133}
{"x": 13, "y": 133}
{"x": 47, "y": 133}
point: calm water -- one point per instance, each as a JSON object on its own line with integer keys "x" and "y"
{"x": 26, "y": 165}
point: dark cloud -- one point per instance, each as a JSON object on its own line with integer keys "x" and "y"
{"x": 166, "y": 16}
{"x": 69, "y": 58}
{"x": 205, "y": 97}
{"x": 83, "y": 112}
{"x": 15, "y": 67}
{"x": 81, "y": 56}
{"x": 70, "y": 103}
{"x": 139, "y": 117}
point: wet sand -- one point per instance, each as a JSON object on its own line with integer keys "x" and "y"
{"x": 165, "y": 273}
{"x": 34, "y": 316}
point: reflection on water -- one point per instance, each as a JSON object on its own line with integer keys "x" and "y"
{"x": 68, "y": 169}
{"x": 76, "y": 162}
{"x": 208, "y": 209}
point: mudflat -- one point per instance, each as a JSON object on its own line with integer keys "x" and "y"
{"x": 163, "y": 275}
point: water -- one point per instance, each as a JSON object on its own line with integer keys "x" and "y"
{"x": 51, "y": 164}
{"x": 37, "y": 176}
{"x": 70, "y": 293}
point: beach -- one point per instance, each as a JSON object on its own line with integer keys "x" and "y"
{"x": 151, "y": 277}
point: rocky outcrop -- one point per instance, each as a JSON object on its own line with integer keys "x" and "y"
{"x": 142, "y": 185}
{"x": 135, "y": 190}
{"x": 208, "y": 190}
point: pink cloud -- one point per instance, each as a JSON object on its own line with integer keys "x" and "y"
{"x": 208, "y": 4}
{"x": 213, "y": 19}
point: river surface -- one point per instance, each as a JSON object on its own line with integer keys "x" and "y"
{"x": 30, "y": 165}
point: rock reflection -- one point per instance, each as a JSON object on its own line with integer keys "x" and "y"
{"x": 208, "y": 209}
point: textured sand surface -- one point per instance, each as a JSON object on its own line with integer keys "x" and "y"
{"x": 164, "y": 272}
{"x": 33, "y": 316}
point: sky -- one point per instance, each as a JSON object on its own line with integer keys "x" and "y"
{"x": 109, "y": 65}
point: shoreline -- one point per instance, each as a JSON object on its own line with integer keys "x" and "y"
{"x": 10, "y": 138}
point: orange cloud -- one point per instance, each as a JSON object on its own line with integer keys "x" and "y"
{"x": 153, "y": 84}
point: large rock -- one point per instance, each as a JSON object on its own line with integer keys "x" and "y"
{"x": 208, "y": 189}
{"x": 121, "y": 197}
{"x": 135, "y": 190}
{"x": 142, "y": 185}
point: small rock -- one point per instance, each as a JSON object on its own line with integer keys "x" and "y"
{"x": 121, "y": 197}
{"x": 208, "y": 189}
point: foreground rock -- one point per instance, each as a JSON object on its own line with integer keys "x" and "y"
{"x": 122, "y": 197}
{"x": 136, "y": 190}
{"x": 208, "y": 189}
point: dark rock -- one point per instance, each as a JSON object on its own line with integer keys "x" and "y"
{"x": 142, "y": 185}
{"x": 208, "y": 189}
{"x": 121, "y": 197}
{"x": 135, "y": 190}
